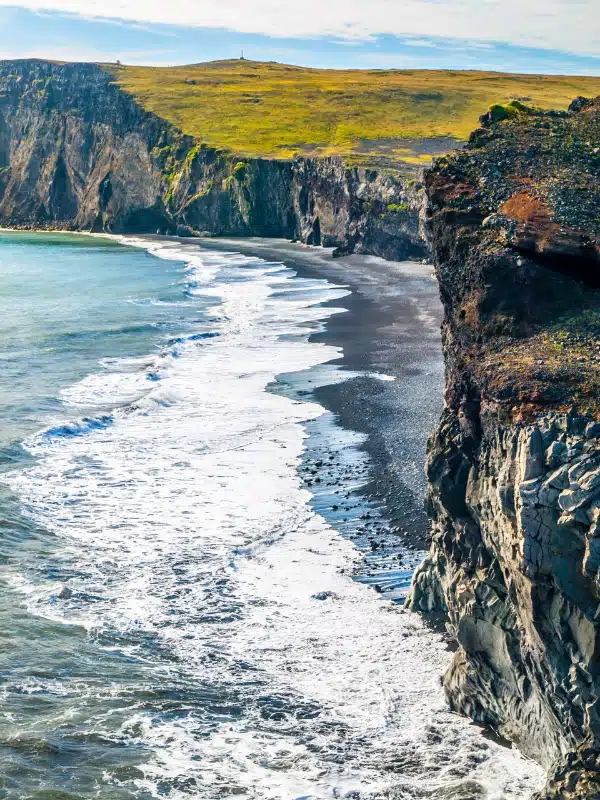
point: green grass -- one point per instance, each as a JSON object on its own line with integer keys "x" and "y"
{"x": 368, "y": 116}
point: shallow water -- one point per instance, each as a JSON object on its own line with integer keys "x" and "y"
{"x": 178, "y": 618}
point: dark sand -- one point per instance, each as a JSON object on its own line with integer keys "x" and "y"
{"x": 364, "y": 459}
{"x": 370, "y": 487}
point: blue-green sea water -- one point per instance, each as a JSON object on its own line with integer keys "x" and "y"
{"x": 176, "y": 621}
{"x": 66, "y": 302}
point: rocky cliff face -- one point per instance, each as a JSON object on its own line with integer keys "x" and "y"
{"x": 76, "y": 152}
{"x": 514, "y": 468}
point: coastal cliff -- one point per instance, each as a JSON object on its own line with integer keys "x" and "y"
{"x": 77, "y": 152}
{"x": 514, "y": 467}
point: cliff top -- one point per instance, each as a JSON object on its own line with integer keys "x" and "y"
{"x": 375, "y": 117}
{"x": 516, "y": 227}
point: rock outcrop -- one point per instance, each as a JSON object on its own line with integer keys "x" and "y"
{"x": 77, "y": 152}
{"x": 514, "y": 468}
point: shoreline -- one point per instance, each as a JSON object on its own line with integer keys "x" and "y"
{"x": 391, "y": 327}
{"x": 373, "y": 488}
{"x": 378, "y": 419}
{"x": 364, "y": 458}
{"x": 362, "y": 463}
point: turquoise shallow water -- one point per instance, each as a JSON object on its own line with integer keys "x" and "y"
{"x": 65, "y": 303}
{"x": 176, "y": 619}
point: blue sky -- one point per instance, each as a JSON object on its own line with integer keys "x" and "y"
{"x": 563, "y": 42}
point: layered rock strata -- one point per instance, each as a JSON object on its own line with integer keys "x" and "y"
{"x": 77, "y": 152}
{"x": 514, "y": 468}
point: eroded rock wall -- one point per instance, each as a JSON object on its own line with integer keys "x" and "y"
{"x": 76, "y": 152}
{"x": 514, "y": 468}
{"x": 515, "y": 564}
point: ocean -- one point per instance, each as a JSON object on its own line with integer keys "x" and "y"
{"x": 180, "y": 617}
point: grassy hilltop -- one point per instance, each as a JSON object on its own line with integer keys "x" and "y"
{"x": 369, "y": 116}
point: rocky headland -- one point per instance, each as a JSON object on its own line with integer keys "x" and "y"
{"x": 514, "y": 467}
{"x": 79, "y": 153}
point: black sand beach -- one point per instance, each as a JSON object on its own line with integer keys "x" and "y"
{"x": 371, "y": 486}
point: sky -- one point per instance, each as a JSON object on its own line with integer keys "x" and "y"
{"x": 556, "y": 36}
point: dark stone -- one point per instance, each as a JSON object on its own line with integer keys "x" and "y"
{"x": 324, "y": 596}
{"x": 513, "y": 469}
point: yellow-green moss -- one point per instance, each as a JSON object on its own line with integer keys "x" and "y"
{"x": 239, "y": 171}
{"x": 397, "y": 208}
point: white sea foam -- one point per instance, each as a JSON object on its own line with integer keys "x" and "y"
{"x": 186, "y": 521}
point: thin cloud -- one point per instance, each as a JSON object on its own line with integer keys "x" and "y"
{"x": 565, "y": 25}
{"x": 155, "y": 30}
{"x": 420, "y": 43}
